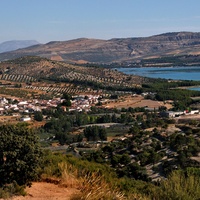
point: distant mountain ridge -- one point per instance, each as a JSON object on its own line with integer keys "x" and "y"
{"x": 117, "y": 50}
{"x": 16, "y": 44}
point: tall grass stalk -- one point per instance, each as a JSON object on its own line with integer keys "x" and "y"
{"x": 178, "y": 186}
{"x": 94, "y": 187}
{"x": 69, "y": 175}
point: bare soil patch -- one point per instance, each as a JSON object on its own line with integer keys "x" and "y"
{"x": 188, "y": 118}
{"x": 57, "y": 58}
{"x": 47, "y": 191}
{"x": 135, "y": 101}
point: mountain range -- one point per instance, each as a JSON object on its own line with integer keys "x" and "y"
{"x": 185, "y": 46}
{"x": 16, "y": 44}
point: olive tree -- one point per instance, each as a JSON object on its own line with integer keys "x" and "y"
{"x": 20, "y": 154}
{"x": 38, "y": 116}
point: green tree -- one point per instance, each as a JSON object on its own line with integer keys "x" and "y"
{"x": 67, "y": 99}
{"x": 20, "y": 154}
{"x": 134, "y": 130}
{"x": 115, "y": 160}
{"x": 125, "y": 159}
{"x": 38, "y": 116}
{"x": 94, "y": 133}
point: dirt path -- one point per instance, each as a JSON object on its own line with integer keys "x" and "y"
{"x": 47, "y": 191}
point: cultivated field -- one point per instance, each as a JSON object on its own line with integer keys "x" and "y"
{"x": 135, "y": 101}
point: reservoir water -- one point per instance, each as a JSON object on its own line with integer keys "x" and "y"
{"x": 175, "y": 73}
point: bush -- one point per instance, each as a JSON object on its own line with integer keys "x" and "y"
{"x": 180, "y": 186}
{"x": 11, "y": 190}
{"x": 20, "y": 154}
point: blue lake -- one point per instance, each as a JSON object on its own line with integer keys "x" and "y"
{"x": 195, "y": 88}
{"x": 175, "y": 73}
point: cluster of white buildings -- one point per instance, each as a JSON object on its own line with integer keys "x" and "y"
{"x": 17, "y": 107}
{"x": 23, "y": 106}
{"x": 23, "y": 109}
{"x": 172, "y": 114}
{"x": 81, "y": 102}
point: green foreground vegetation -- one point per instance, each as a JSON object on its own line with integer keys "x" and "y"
{"x": 23, "y": 160}
{"x": 108, "y": 153}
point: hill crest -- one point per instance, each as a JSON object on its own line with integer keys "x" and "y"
{"x": 116, "y": 50}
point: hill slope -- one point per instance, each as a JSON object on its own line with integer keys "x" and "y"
{"x": 34, "y": 69}
{"x": 115, "y": 50}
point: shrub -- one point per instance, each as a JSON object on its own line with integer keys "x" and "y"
{"x": 20, "y": 154}
{"x": 180, "y": 186}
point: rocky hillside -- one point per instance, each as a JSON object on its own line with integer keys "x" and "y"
{"x": 127, "y": 50}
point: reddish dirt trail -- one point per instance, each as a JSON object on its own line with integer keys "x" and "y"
{"x": 47, "y": 191}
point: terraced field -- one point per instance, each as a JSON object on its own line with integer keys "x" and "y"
{"x": 31, "y": 70}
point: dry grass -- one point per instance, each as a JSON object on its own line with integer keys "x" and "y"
{"x": 137, "y": 101}
{"x": 91, "y": 186}
{"x": 69, "y": 177}
{"x": 75, "y": 184}
{"x": 94, "y": 187}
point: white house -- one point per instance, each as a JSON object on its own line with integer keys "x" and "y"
{"x": 25, "y": 119}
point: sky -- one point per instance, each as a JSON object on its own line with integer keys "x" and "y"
{"x": 61, "y": 20}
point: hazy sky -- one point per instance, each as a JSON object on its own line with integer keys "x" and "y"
{"x": 53, "y": 20}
